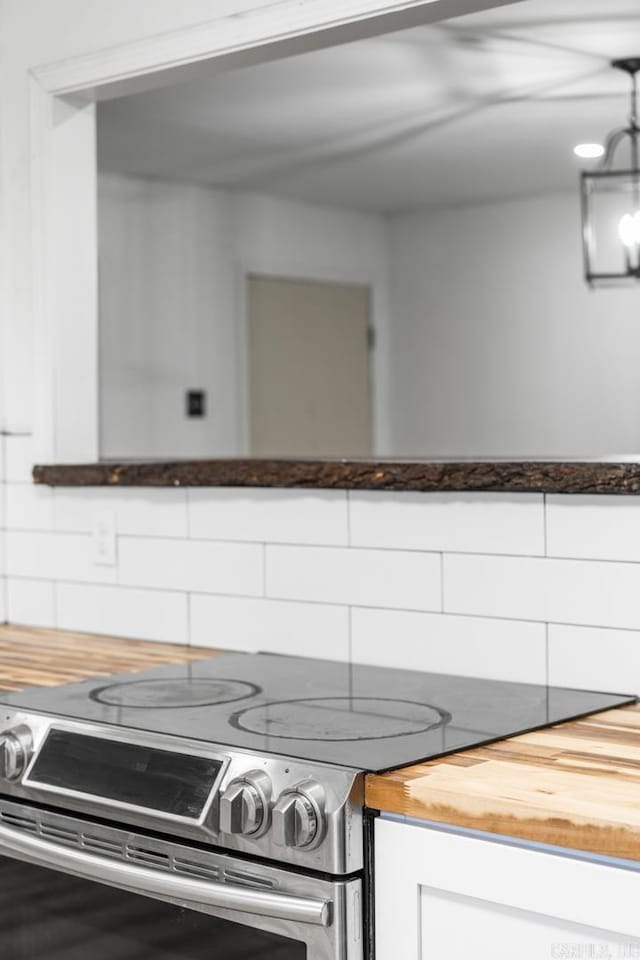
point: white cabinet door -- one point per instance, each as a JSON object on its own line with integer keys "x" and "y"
{"x": 442, "y": 896}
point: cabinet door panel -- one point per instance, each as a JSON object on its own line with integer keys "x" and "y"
{"x": 461, "y": 928}
{"x": 443, "y": 894}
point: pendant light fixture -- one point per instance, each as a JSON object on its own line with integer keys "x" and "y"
{"x": 611, "y": 201}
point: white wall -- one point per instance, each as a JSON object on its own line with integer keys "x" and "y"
{"x": 173, "y": 257}
{"x": 492, "y": 345}
{"x": 3, "y": 582}
{"x": 498, "y": 347}
{"x": 521, "y": 587}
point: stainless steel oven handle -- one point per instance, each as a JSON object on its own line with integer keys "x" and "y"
{"x": 131, "y": 877}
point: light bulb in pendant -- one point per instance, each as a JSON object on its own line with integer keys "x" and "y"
{"x": 629, "y": 229}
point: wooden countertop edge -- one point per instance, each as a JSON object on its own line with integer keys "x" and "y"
{"x": 573, "y": 786}
{"x": 518, "y": 476}
{"x": 610, "y": 841}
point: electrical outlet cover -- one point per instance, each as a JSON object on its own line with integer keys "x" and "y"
{"x": 103, "y": 532}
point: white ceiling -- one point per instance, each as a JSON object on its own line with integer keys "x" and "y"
{"x": 480, "y": 107}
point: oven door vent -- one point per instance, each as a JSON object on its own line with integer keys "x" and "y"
{"x": 241, "y": 879}
{"x": 122, "y": 846}
{"x": 56, "y": 832}
{"x": 19, "y": 822}
{"x": 102, "y": 845}
{"x": 150, "y": 858}
{"x": 191, "y": 868}
{"x": 59, "y": 834}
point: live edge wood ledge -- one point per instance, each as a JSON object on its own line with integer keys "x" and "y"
{"x": 575, "y": 785}
{"x": 530, "y": 476}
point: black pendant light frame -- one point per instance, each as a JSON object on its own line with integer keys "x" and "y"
{"x": 590, "y": 180}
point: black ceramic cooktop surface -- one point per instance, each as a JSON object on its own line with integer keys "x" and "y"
{"x": 367, "y": 718}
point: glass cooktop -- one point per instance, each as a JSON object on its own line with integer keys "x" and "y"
{"x": 363, "y": 717}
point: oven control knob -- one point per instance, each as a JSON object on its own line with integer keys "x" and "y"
{"x": 298, "y": 816}
{"x": 16, "y": 748}
{"x": 244, "y": 806}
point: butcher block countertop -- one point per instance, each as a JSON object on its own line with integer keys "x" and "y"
{"x": 34, "y": 657}
{"x": 574, "y": 785}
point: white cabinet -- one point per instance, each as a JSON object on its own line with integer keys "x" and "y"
{"x": 446, "y": 896}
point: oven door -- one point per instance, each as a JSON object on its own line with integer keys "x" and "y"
{"x": 72, "y": 889}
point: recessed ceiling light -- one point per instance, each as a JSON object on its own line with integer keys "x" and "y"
{"x": 589, "y": 151}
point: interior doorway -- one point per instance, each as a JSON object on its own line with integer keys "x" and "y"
{"x": 309, "y": 378}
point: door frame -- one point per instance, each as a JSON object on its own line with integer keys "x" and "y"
{"x": 62, "y": 172}
{"x": 378, "y": 320}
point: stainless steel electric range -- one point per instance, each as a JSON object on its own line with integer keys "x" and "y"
{"x": 215, "y": 809}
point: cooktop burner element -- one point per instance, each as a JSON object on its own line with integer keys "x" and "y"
{"x": 172, "y": 694}
{"x": 340, "y": 718}
{"x": 350, "y": 715}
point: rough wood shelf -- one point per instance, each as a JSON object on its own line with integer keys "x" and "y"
{"x": 527, "y": 476}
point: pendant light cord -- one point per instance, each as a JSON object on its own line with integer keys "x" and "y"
{"x": 633, "y": 132}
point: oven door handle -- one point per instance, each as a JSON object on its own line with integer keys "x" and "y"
{"x": 143, "y": 880}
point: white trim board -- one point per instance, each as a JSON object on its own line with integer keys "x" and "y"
{"x": 273, "y": 30}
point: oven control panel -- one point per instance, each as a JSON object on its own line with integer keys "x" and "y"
{"x": 279, "y": 808}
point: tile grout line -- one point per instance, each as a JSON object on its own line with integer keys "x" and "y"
{"x": 3, "y": 529}
{"x": 322, "y": 603}
{"x": 55, "y": 603}
{"x": 309, "y": 545}
{"x": 546, "y": 652}
{"x": 546, "y": 554}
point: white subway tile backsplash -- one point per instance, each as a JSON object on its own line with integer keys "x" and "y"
{"x": 480, "y": 553}
{"x": 141, "y": 614}
{"x": 19, "y": 458}
{"x": 54, "y": 556}
{"x": 138, "y": 511}
{"x": 31, "y": 602}
{"x": 560, "y": 591}
{"x": 384, "y": 578}
{"x": 602, "y": 527}
{"x": 269, "y": 515}
{"x": 272, "y": 626}
{"x": 455, "y": 522}
{"x": 194, "y": 565}
{"x": 28, "y": 507}
{"x": 495, "y": 586}
{"x": 594, "y": 659}
{"x": 463, "y": 646}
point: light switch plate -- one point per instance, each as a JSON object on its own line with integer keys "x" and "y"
{"x": 103, "y": 535}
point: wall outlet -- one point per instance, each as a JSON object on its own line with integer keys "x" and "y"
{"x": 103, "y": 534}
{"x": 196, "y": 403}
